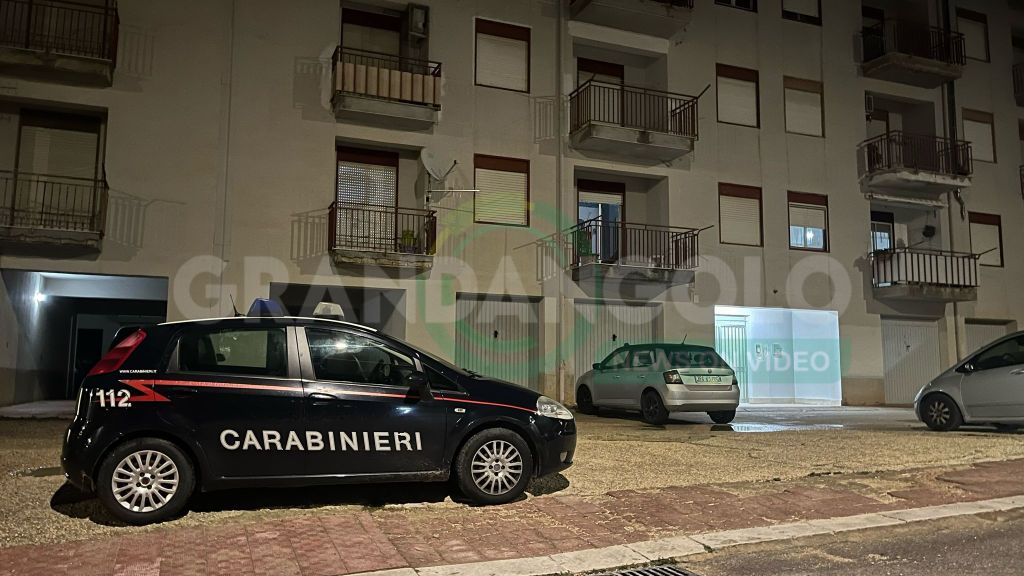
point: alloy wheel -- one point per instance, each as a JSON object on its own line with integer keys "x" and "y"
{"x": 938, "y": 412}
{"x": 144, "y": 481}
{"x": 497, "y": 467}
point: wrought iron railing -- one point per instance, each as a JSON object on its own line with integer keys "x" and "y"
{"x": 914, "y": 39}
{"x": 52, "y": 202}
{"x": 1018, "y": 83}
{"x": 900, "y": 150}
{"x": 61, "y": 27}
{"x": 629, "y": 244}
{"x": 906, "y": 266}
{"x": 387, "y": 77}
{"x": 374, "y": 228}
{"x": 632, "y": 107}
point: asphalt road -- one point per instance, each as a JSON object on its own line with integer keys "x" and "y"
{"x": 989, "y": 544}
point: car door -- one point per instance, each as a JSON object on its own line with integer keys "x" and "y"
{"x": 607, "y": 378}
{"x": 357, "y": 404}
{"x": 993, "y": 388}
{"x": 640, "y": 368}
{"x": 237, "y": 388}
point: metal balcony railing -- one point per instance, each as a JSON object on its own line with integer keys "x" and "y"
{"x": 922, "y": 266}
{"x": 1018, "y": 83}
{"x": 632, "y": 107}
{"x": 900, "y": 150}
{"x": 61, "y": 27}
{"x": 374, "y": 228}
{"x": 387, "y": 77}
{"x": 43, "y": 201}
{"x": 914, "y": 39}
{"x": 629, "y": 244}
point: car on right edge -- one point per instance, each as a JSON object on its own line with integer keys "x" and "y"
{"x": 985, "y": 388}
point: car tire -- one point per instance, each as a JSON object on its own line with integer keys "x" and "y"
{"x": 722, "y": 416}
{"x": 585, "y": 401}
{"x": 145, "y": 480}
{"x": 939, "y": 412}
{"x": 652, "y": 408}
{"x": 494, "y": 466}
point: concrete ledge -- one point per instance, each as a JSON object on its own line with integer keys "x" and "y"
{"x": 676, "y": 547}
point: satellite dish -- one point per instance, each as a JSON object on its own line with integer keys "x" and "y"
{"x": 438, "y": 167}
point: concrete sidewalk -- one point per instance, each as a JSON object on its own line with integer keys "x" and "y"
{"x": 64, "y": 409}
{"x": 335, "y": 543}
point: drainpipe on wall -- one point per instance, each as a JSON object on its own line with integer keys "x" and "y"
{"x": 559, "y": 362}
{"x": 222, "y": 237}
{"x": 950, "y": 98}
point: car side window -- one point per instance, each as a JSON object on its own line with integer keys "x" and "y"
{"x": 239, "y": 351}
{"x": 616, "y": 359}
{"x": 439, "y": 381}
{"x": 348, "y": 357}
{"x": 642, "y": 358}
{"x": 1007, "y": 353}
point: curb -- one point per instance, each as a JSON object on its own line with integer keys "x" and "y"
{"x": 674, "y": 548}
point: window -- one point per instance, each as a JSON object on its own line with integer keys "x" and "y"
{"x": 59, "y": 144}
{"x": 502, "y": 56}
{"x": 882, "y": 224}
{"x": 738, "y": 96}
{"x": 808, "y": 221}
{"x": 616, "y": 359}
{"x": 688, "y": 357}
{"x": 974, "y": 26}
{"x": 367, "y": 193}
{"x": 371, "y": 31}
{"x": 739, "y": 215}
{"x": 805, "y": 113}
{"x": 750, "y": 5}
{"x": 979, "y": 130}
{"x": 642, "y": 358}
{"x": 987, "y": 238}
{"x": 503, "y": 186}
{"x": 808, "y": 11}
{"x": 239, "y": 351}
{"x": 347, "y": 357}
{"x": 1007, "y": 353}
{"x": 604, "y": 203}
{"x": 587, "y": 69}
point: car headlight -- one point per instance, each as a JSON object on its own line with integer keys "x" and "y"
{"x": 548, "y": 407}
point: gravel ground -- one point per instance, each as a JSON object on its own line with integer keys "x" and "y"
{"x": 613, "y": 453}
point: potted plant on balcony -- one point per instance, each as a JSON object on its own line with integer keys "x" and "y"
{"x": 408, "y": 242}
{"x": 585, "y": 247}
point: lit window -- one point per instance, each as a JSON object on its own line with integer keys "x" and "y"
{"x": 808, "y": 221}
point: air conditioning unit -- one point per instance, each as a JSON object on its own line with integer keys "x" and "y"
{"x": 869, "y": 105}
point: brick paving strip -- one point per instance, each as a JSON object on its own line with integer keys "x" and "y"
{"x": 598, "y": 527}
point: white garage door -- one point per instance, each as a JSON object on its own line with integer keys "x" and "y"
{"x": 499, "y": 338}
{"x": 910, "y": 350}
{"x": 979, "y": 334}
{"x": 600, "y": 328}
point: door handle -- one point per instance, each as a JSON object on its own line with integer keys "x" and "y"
{"x": 321, "y": 399}
{"x": 618, "y": 377}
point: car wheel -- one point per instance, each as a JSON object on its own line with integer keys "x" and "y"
{"x": 494, "y": 466}
{"x": 145, "y": 480}
{"x": 652, "y": 408}
{"x": 722, "y": 416}
{"x": 585, "y": 401}
{"x": 939, "y": 412}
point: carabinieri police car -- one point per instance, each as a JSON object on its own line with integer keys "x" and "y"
{"x": 283, "y": 401}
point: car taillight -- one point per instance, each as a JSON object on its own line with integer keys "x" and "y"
{"x": 113, "y": 359}
{"x": 673, "y": 377}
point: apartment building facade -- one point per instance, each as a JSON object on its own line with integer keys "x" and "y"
{"x": 824, "y": 190}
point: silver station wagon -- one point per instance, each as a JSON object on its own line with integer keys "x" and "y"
{"x": 657, "y": 379}
{"x": 986, "y": 388}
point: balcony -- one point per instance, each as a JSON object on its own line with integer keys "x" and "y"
{"x": 1018, "y": 84}
{"x": 384, "y": 90}
{"x": 629, "y": 254}
{"x": 662, "y": 18}
{"x": 384, "y": 236}
{"x": 41, "y": 213}
{"x": 912, "y": 53}
{"x": 923, "y": 274}
{"x": 617, "y": 120}
{"x": 59, "y": 41}
{"x": 913, "y": 169}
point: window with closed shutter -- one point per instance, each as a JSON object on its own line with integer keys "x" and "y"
{"x": 738, "y": 96}
{"x": 808, "y": 11}
{"x": 502, "y": 56}
{"x": 804, "y": 114}
{"x": 979, "y": 130}
{"x": 739, "y": 215}
{"x": 503, "y": 189}
{"x": 53, "y": 145}
{"x": 987, "y": 238}
{"x": 974, "y": 26}
{"x": 366, "y": 198}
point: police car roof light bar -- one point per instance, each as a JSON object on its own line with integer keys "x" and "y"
{"x": 265, "y": 308}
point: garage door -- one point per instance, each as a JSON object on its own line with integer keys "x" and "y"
{"x": 910, "y": 350}
{"x": 601, "y": 327}
{"x": 499, "y": 338}
{"x": 981, "y": 333}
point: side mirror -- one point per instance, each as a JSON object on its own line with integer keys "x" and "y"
{"x": 418, "y": 381}
{"x": 597, "y": 366}
{"x": 966, "y": 368}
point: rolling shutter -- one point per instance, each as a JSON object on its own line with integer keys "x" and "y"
{"x": 48, "y": 148}
{"x": 807, "y": 216}
{"x": 367, "y": 189}
{"x": 739, "y": 210}
{"x": 986, "y": 237}
{"x": 803, "y": 107}
{"x": 367, "y": 183}
{"x": 502, "y": 56}
{"x": 503, "y": 188}
{"x": 978, "y": 130}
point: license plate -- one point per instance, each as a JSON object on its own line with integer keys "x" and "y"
{"x": 707, "y": 379}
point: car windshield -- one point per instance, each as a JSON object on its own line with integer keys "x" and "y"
{"x": 685, "y": 357}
